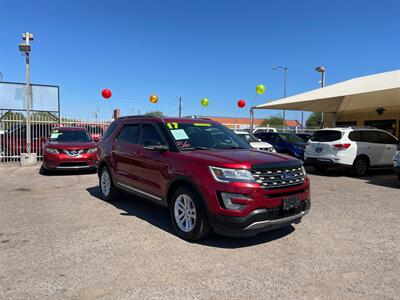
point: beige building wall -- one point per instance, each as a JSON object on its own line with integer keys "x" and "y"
{"x": 391, "y": 113}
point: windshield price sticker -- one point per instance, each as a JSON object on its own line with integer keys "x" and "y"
{"x": 179, "y": 134}
{"x": 55, "y": 135}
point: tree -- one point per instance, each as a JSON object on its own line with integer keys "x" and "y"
{"x": 273, "y": 121}
{"x": 314, "y": 120}
{"x": 154, "y": 113}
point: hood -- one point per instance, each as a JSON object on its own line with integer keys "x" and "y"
{"x": 71, "y": 145}
{"x": 236, "y": 158}
{"x": 259, "y": 145}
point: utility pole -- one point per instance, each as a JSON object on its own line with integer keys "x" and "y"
{"x": 285, "y": 69}
{"x": 180, "y": 107}
{"x": 321, "y": 69}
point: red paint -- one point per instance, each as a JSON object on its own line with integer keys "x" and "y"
{"x": 106, "y": 93}
{"x": 241, "y": 103}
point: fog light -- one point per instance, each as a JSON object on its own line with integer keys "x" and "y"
{"x": 235, "y": 201}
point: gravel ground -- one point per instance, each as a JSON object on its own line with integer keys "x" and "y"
{"x": 58, "y": 240}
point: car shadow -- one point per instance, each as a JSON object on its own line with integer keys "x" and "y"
{"x": 379, "y": 177}
{"x": 66, "y": 172}
{"x": 158, "y": 216}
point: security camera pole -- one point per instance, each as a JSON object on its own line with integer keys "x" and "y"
{"x": 25, "y": 48}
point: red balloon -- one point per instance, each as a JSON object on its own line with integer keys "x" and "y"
{"x": 106, "y": 93}
{"x": 241, "y": 103}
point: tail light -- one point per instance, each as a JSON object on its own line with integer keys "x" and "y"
{"x": 341, "y": 146}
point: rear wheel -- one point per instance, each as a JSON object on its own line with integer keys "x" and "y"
{"x": 188, "y": 215}
{"x": 320, "y": 168}
{"x": 107, "y": 188}
{"x": 360, "y": 166}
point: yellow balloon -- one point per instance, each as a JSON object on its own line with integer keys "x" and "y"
{"x": 204, "y": 102}
{"x": 154, "y": 98}
{"x": 260, "y": 89}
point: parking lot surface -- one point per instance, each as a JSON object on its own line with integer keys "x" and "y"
{"x": 59, "y": 240}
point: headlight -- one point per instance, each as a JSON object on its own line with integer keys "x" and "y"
{"x": 51, "y": 150}
{"x": 91, "y": 150}
{"x": 303, "y": 170}
{"x": 231, "y": 175}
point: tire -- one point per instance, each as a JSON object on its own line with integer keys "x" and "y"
{"x": 108, "y": 190}
{"x": 188, "y": 216}
{"x": 360, "y": 166}
{"x": 320, "y": 168}
{"x": 43, "y": 171}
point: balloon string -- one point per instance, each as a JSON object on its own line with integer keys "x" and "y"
{"x": 254, "y": 99}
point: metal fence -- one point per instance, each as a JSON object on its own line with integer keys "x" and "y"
{"x": 13, "y": 133}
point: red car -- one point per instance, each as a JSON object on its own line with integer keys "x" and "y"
{"x": 69, "y": 148}
{"x": 208, "y": 177}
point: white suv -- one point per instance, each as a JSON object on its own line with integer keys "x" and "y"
{"x": 355, "y": 148}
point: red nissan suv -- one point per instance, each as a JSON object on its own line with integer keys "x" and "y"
{"x": 207, "y": 176}
{"x": 69, "y": 148}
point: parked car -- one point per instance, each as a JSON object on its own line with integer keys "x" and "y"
{"x": 255, "y": 142}
{"x": 208, "y": 177}
{"x": 304, "y": 136}
{"x": 396, "y": 160}
{"x": 13, "y": 140}
{"x": 286, "y": 143}
{"x": 356, "y": 148}
{"x": 69, "y": 148}
{"x": 264, "y": 129}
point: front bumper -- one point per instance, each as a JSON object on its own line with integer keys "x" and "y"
{"x": 259, "y": 220}
{"x": 65, "y": 162}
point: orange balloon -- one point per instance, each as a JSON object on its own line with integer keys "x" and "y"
{"x": 154, "y": 98}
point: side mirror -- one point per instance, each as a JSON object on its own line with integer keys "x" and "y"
{"x": 96, "y": 138}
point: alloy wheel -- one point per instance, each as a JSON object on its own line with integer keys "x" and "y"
{"x": 185, "y": 213}
{"x": 105, "y": 183}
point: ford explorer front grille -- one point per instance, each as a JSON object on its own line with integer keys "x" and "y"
{"x": 273, "y": 178}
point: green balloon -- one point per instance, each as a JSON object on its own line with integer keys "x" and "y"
{"x": 260, "y": 89}
{"x": 204, "y": 102}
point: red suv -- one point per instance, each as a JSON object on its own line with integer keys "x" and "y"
{"x": 69, "y": 148}
{"x": 208, "y": 177}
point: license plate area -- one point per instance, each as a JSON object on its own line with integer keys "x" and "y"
{"x": 318, "y": 149}
{"x": 290, "y": 202}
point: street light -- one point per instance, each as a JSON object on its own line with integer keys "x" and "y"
{"x": 285, "y": 69}
{"x": 321, "y": 69}
{"x": 25, "y": 48}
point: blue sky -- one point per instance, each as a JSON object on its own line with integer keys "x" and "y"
{"x": 216, "y": 49}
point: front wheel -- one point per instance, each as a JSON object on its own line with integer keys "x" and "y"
{"x": 360, "y": 167}
{"x": 107, "y": 188}
{"x": 187, "y": 214}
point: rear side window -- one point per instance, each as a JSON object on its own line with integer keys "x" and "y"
{"x": 129, "y": 134}
{"x": 371, "y": 137}
{"x": 109, "y": 130}
{"x": 326, "y": 136}
{"x": 355, "y": 136}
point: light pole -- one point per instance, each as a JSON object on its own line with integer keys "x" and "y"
{"x": 321, "y": 69}
{"x": 285, "y": 69}
{"x": 26, "y": 49}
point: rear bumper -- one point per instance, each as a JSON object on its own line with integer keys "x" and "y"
{"x": 258, "y": 220}
{"x": 324, "y": 161}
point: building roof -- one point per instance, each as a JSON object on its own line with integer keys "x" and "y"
{"x": 368, "y": 92}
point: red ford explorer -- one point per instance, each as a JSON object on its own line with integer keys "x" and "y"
{"x": 207, "y": 176}
{"x": 69, "y": 148}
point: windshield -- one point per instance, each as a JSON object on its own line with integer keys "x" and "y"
{"x": 69, "y": 136}
{"x": 290, "y": 138}
{"x": 203, "y": 136}
{"x": 249, "y": 138}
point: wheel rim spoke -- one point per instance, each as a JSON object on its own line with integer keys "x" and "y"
{"x": 185, "y": 213}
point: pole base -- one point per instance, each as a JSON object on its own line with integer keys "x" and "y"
{"x": 28, "y": 159}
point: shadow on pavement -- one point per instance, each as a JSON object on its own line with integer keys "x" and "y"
{"x": 379, "y": 177}
{"x": 67, "y": 172}
{"x": 159, "y": 216}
